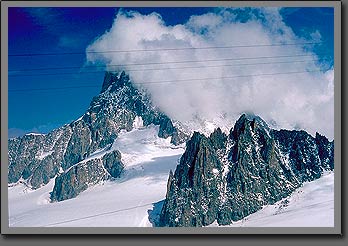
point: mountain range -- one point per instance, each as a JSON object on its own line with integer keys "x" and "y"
{"x": 222, "y": 177}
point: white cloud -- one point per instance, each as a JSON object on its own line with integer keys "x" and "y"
{"x": 302, "y": 100}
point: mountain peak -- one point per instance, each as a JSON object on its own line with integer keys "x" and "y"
{"x": 37, "y": 159}
{"x": 240, "y": 126}
{"x": 114, "y": 80}
{"x": 247, "y": 120}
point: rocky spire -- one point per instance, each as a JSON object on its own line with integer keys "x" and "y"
{"x": 115, "y": 80}
{"x": 226, "y": 179}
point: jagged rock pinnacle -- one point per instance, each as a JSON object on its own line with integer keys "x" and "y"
{"x": 226, "y": 179}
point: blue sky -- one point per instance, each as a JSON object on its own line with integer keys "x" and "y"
{"x": 62, "y": 30}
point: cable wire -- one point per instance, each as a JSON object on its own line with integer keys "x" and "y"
{"x": 163, "y": 49}
{"x": 167, "y": 68}
{"x": 96, "y": 215}
{"x": 169, "y": 81}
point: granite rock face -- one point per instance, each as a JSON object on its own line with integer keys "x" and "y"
{"x": 195, "y": 185}
{"x": 85, "y": 174}
{"x": 226, "y": 178}
{"x": 37, "y": 158}
{"x": 77, "y": 179}
{"x": 113, "y": 164}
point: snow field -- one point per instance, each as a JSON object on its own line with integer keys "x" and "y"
{"x": 136, "y": 198}
{"x": 124, "y": 202}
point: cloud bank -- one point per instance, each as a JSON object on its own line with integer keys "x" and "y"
{"x": 285, "y": 99}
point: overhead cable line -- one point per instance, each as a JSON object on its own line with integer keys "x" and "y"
{"x": 163, "y": 49}
{"x": 170, "y": 81}
{"x": 159, "y": 63}
{"x": 227, "y": 77}
{"x": 96, "y": 215}
{"x": 166, "y": 68}
{"x": 162, "y": 63}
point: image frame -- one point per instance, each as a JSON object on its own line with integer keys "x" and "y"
{"x": 337, "y": 229}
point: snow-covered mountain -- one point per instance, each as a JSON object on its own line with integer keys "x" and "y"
{"x": 225, "y": 178}
{"x": 136, "y": 198}
{"x": 71, "y": 152}
{"x": 125, "y": 201}
{"x": 125, "y": 141}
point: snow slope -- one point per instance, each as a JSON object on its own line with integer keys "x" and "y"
{"x": 136, "y": 198}
{"x": 312, "y": 205}
{"x": 125, "y": 202}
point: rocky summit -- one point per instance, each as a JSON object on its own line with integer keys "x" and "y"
{"x": 67, "y": 152}
{"x": 225, "y": 177}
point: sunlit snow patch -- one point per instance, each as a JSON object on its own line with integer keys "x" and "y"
{"x": 143, "y": 145}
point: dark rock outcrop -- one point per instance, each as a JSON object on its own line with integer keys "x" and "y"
{"x": 226, "y": 178}
{"x": 325, "y": 151}
{"x": 77, "y": 179}
{"x": 37, "y": 158}
{"x": 85, "y": 174}
{"x": 112, "y": 163}
{"x": 194, "y": 185}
